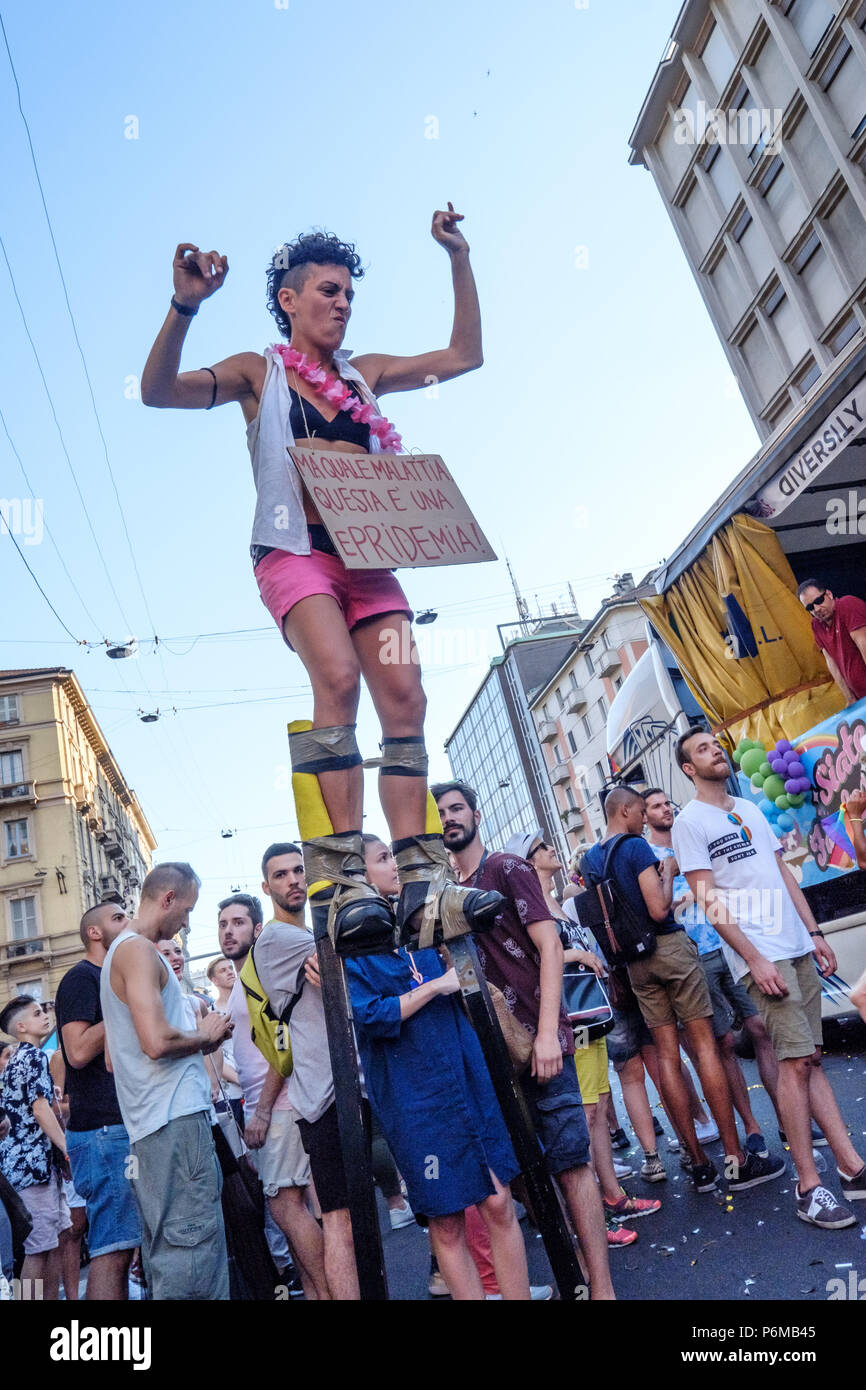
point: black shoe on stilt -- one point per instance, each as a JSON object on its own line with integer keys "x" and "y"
{"x": 361, "y": 921}
{"x": 430, "y": 902}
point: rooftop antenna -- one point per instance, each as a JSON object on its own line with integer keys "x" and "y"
{"x": 571, "y": 596}
{"x": 522, "y": 605}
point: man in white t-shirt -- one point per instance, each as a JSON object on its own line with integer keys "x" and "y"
{"x": 271, "y": 1129}
{"x": 734, "y": 868}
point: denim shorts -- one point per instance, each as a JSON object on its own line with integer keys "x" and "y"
{"x": 99, "y": 1162}
{"x": 557, "y": 1113}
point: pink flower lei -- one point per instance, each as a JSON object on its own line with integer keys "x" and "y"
{"x": 338, "y": 394}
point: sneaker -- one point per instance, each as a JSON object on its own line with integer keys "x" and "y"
{"x": 756, "y": 1170}
{"x": 622, "y": 1170}
{"x": 673, "y": 1144}
{"x": 687, "y": 1163}
{"x": 618, "y": 1237}
{"x": 818, "y": 1139}
{"x": 819, "y": 1207}
{"x": 619, "y": 1139}
{"x": 436, "y": 1286}
{"x": 756, "y": 1144}
{"x": 652, "y": 1169}
{"x": 401, "y": 1216}
{"x": 705, "y": 1176}
{"x": 854, "y": 1189}
{"x": 707, "y": 1133}
{"x": 539, "y": 1293}
{"x": 658, "y": 1128}
{"x": 629, "y": 1208}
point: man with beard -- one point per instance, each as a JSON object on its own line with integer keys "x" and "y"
{"x": 523, "y": 956}
{"x": 282, "y": 948}
{"x": 271, "y": 1130}
{"x": 734, "y": 867}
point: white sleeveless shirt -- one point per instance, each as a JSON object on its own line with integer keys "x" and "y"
{"x": 150, "y": 1093}
{"x": 279, "y": 520}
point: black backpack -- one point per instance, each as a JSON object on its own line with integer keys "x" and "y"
{"x": 605, "y": 911}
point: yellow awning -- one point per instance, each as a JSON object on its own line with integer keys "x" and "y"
{"x": 743, "y": 640}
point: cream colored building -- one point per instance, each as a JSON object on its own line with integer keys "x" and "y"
{"x": 570, "y": 711}
{"x": 71, "y": 830}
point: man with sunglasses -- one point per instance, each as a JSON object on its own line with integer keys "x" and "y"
{"x": 839, "y": 629}
{"x": 734, "y": 867}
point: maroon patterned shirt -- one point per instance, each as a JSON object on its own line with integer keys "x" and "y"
{"x": 507, "y": 954}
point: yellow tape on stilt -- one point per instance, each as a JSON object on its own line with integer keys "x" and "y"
{"x": 433, "y": 823}
{"x": 310, "y": 810}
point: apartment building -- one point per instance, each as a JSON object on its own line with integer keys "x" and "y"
{"x": 570, "y": 711}
{"x": 71, "y": 830}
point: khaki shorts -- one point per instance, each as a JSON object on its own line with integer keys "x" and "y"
{"x": 794, "y": 1021}
{"x": 671, "y": 986}
{"x": 49, "y": 1213}
{"x": 282, "y": 1160}
{"x": 592, "y": 1075}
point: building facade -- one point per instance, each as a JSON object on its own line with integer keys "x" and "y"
{"x": 495, "y": 746}
{"x": 71, "y": 830}
{"x": 754, "y": 130}
{"x": 570, "y": 712}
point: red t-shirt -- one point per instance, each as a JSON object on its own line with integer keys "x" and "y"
{"x": 849, "y": 614}
{"x": 507, "y": 953}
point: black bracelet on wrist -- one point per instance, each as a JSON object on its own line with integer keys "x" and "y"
{"x": 816, "y": 933}
{"x": 182, "y": 309}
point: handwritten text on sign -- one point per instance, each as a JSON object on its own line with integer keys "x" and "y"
{"x": 392, "y": 511}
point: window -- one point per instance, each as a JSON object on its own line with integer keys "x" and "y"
{"x": 572, "y": 679}
{"x": 587, "y": 727}
{"x": 755, "y": 247}
{"x": 557, "y": 753}
{"x": 783, "y": 200}
{"x": 718, "y": 59}
{"x": 742, "y": 14}
{"x": 590, "y": 669}
{"x": 569, "y": 799}
{"x": 9, "y": 709}
{"x": 811, "y": 19}
{"x": 787, "y": 322}
{"x": 17, "y": 839}
{"x": 728, "y": 283}
{"x": 774, "y": 75}
{"x": 761, "y": 366}
{"x": 560, "y": 700}
{"x": 809, "y": 377}
{"x": 11, "y": 768}
{"x": 31, "y": 987}
{"x": 721, "y": 171}
{"x": 845, "y": 85}
{"x": 814, "y": 160}
{"x": 843, "y": 335}
{"x": 701, "y": 217}
{"x": 848, "y": 230}
{"x": 617, "y": 682}
{"x": 23, "y": 914}
{"x": 823, "y": 285}
{"x": 572, "y": 741}
{"x": 601, "y": 774}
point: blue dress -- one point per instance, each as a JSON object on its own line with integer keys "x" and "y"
{"x": 428, "y": 1086}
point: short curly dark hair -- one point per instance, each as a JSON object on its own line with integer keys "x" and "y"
{"x": 311, "y": 248}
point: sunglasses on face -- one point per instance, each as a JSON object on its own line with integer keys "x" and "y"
{"x": 536, "y": 848}
{"x": 816, "y": 602}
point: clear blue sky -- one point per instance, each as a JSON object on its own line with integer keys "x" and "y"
{"x": 603, "y": 388}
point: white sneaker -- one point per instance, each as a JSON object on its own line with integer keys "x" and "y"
{"x": 5, "y": 1290}
{"x": 622, "y": 1170}
{"x": 708, "y": 1132}
{"x": 673, "y": 1144}
{"x": 539, "y": 1293}
{"x": 401, "y": 1216}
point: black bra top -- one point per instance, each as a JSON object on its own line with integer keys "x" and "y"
{"x": 307, "y": 423}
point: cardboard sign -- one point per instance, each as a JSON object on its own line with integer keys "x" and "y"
{"x": 391, "y": 511}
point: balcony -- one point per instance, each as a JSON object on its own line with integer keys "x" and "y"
{"x": 29, "y": 946}
{"x": 572, "y": 819}
{"x": 12, "y": 792}
{"x": 110, "y": 842}
{"x": 109, "y": 887}
{"x": 607, "y": 662}
{"x": 546, "y": 730}
{"x": 560, "y": 773}
{"x": 575, "y": 702}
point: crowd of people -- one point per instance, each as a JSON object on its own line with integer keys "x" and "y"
{"x": 157, "y": 1097}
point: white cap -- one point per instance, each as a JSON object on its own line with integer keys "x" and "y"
{"x": 522, "y": 842}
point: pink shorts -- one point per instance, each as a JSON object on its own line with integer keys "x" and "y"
{"x": 285, "y": 579}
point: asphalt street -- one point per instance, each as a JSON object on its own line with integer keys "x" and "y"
{"x": 751, "y": 1246}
